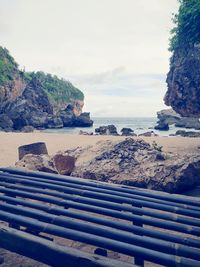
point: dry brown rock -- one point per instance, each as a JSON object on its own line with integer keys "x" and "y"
{"x": 64, "y": 164}
{"x": 136, "y": 163}
{"x": 42, "y": 163}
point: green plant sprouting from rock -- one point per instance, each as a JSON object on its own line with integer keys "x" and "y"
{"x": 157, "y": 147}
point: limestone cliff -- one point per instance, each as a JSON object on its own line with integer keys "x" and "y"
{"x": 37, "y": 99}
{"x": 183, "y": 81}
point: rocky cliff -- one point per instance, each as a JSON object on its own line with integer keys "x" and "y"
{"x": 37, "y": 99}
{"x": 183, "y": 81}
{"x": 169, "y": 117}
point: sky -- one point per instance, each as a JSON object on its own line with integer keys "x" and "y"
{"x": 115, "y": 51}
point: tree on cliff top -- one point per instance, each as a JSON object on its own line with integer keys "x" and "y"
{"x": 8, "y": 66}
{"x": 58, "y": 90}
{"x": 187, "y": 25}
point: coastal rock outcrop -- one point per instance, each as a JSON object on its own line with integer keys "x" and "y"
{"x": 127, "y": 132}
{"x": 169, "y": 117}
{"x": 37, "y": 99}
{"x": 107, "y": 130}
{"x": 187, "y": 133}
{"x": 183, "y": 81}
{"x": 136, "y": 163}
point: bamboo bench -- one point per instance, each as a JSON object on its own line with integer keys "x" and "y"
{"x": 139, "y": 224}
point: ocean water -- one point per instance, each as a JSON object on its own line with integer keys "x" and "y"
{"x": 139, "y": 125}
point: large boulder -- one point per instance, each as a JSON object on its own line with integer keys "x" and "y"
{"x": 169, "y": 116}
{"x": 162, "y": 126}
{"x": 107, "y": 130}
{"x": 183, "y": 81}
{"x": 38, "y": 148}
{"x": 32, "y": 162}
{"x": 64, "y": 164}
{"x": 187, "y": 133}
{"x": 67, "y": 116}
{"x": 83, "y": 120}
{"x": 136, "y": 163}
{"x": 127, "y": 132}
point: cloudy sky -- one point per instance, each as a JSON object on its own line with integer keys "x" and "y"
{"x": 115, "y": 51}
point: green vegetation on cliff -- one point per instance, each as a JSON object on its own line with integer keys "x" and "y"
{"x": 58, "y": 90}
{"x": 8, "y": 66}
{"x": 187, "y": 25}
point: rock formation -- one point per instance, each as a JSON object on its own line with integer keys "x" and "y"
{"x": 127, "y": 132}
{"x": 107, "y": 130}
{"x": 169, "y": 117}
{"x": 187, "y": 133}
{"x": 37, "y": 99}
{"x": 183, "y": 81}
{"x": 136, "y": 163}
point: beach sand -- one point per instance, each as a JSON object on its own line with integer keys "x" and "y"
{"x": 9, "y": 143}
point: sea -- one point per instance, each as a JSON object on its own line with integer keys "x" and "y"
{"x": 139, "y": 125}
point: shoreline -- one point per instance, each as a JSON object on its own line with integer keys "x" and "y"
{"x": 9, "y": 143}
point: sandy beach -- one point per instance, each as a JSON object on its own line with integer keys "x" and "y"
{"x": 9, "y": 143}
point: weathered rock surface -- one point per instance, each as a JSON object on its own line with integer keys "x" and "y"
{"x": 187, "y": 133}
{"x": 37, "y": 99}
{"x": 107, "y": 130}
{"x": 64, "y": 164}
{"x": 136, "y": 163}
{"x": 42, "y": 163}
{"x": 128, "y": 132}
{"x": 162, "y": 125}
{"x": 83, "y": 120}
{"x": 183, "y": 81}
{"x": 34, "y": 148}
{"x": 35, "y": 157}
{"x": 169, "y": 116}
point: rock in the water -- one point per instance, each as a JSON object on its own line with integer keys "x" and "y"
{"x": 148, "y": 134}
{"x": 42, "y": 163}
{"x": 64, "y": 164}
{"x": 83, "y": 120}
{"x": 183, "y": 81}
{"x": 169, "y": 116}
{"x": 127, "y": 132}
{"x": 187, "y": 133}
{"x": 162, "y": 126}
{"x": 34, "y": 148}
{"x": 107, "y": 130}
{"x": 136, "y": 163}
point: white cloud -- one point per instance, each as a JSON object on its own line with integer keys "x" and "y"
{"x": 112, "y": 49}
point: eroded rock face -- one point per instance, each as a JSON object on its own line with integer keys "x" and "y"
{"x": 107, "y": 130}
{"x": 32, "y": 162}
{"x": 33, "y": 108}
{"x": 136, "y": 163}
{"x": 183, "y": 81}
{"x": 169, "y": 117}
{"x": 127, "y": 132}
{"x": 64, "y": 164}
